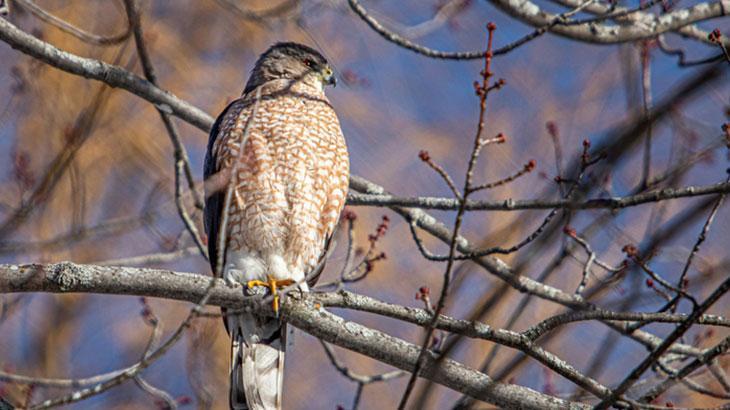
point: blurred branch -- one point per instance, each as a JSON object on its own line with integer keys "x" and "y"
{"x": 69, "y": 28}
{"x": 408, "y": 44}
{"x": 182, "y": 161}
{"x": 159, "y": 394}
{"x": 152, "y": 258}
{"x": 302, "y": 311}
{"x": 678, "y": 332}
{"x": 181, "y": 154}
{"x": 360, "y": 379}
{"x": 80, "y": 131}
{"x": 706, "y": 359}
{"x": 114, "y": 226}
{"x": 112, "y": 75}
{"x": 281, "y": 10}
{"x": 444, "y": 13}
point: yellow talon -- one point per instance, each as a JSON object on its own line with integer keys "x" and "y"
{"x": 272, "y": 285}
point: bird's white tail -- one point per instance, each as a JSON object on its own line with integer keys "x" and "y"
{"x": 257, "y": 362}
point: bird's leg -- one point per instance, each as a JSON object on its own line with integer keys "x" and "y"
{"x": 272, "y": 285}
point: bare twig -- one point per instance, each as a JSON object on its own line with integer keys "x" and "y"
{"x": 425, "y": 157}
{"x": 356, "y": 377}
{"x": 482, "y": 92}
{"x": 666, "y": 343}
{"x": 700, "y": 239}
{"x": 424, "y": 202}
{"x": 705, "y": 359}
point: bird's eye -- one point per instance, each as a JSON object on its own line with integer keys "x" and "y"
{"x": 309, "y": 63}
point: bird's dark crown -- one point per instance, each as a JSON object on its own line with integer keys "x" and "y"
{"x": 297, "y": 50}
{"x": 284, "y": 60}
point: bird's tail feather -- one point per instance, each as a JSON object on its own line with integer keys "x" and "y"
{"x": 257, "y": 368}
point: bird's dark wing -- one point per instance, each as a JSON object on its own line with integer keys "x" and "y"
{"x": 214, "y": 201}
{"x": 314, "y": 275}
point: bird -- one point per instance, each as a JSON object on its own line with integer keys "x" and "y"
{"x": 281, "y": 152}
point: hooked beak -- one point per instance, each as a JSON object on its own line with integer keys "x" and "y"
{"x": 328, "y": 77}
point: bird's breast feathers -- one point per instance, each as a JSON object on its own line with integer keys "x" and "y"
{"x": 291, "y": 184}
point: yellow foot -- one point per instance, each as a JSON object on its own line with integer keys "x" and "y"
{"x": 272, "y": 285}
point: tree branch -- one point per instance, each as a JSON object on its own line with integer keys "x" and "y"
{"x": 304, "y": 312}
{"x": 641, "y": 25}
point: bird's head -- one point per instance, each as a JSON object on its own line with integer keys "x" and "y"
{"x": 292, "y": 61}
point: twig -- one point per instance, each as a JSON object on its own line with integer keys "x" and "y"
{"x": 615, "y": 15}
{"x": 559, "y": 19}
{"x": 525, "y": 170}
{"x": 585, "y": 164}
{"x": 159, "y": 394}
{"x": 182, "y": 211}
{"x": 681, "y": 56}
{"x": 662, "y": 348}
{"x": 482, "y": 92}
{"x": 549, "y": 324}
{"x": 700, "y": 239}
{"x": 448, "y": 204}
{"x": 715, "y": 37}
{"x": 591, "y": 259}
{"x": 707, "y": 357}
{"x": 646, "y": 105}
{"x": 425, "y": 157}
{"x": 356, "y": 377}
{"x": 666, "y": 368}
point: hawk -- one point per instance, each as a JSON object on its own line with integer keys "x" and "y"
{"x": 290, "y": 184}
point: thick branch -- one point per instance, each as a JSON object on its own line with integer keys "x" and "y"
{"x": 650, "y": 26}
{"x": 639, "y": 17}
{"x": 631, "y": 27}
{"x": 305, "y": 313}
